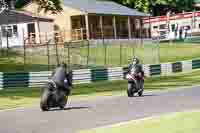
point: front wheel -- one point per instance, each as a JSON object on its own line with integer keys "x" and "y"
{"x": 44, "y": 101}
{"x": 130, "y": 90}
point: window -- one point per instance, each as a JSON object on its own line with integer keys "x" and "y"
{"x": 15, "y": 30}
{"x": 155, "y": 27}
{"x": 187, "y": 27}
{"x": 4, "y": 31}
{"x": 162, "y": 26}
{"x": 173, "y": 27}
{"x": 10, "y": 31}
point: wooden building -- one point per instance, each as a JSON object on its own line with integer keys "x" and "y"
{"x": 17, "y": 26}
{"x": 93, "y": 20}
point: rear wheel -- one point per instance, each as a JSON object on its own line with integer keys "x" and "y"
{"x": 140, "y": 93}
{"x": 63, "y": 102}
{"x": 130, "y": 90}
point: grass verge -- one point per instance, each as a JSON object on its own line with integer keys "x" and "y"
{"x": 17, "y": 97}
{"x": 185, "y": 122}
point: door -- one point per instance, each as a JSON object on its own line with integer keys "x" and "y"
{"x": 31, "y": 32}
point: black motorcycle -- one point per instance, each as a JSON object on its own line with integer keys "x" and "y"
{"x": 133, "y": 86}
{"x": 52, "y": 97}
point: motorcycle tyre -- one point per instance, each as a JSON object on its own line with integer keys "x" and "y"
{"x": 130, "y": 92}
{"x": 63, "y": 102}
{"x": 44, "y": 101}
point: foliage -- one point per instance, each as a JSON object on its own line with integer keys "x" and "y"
{"x": 155, "y": 7}
{"x": 47, "y": 5}
{"x": 148, "y": 5}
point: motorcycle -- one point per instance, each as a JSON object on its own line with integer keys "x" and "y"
{"x": 52, "y": 97}
{"x": 133, "y": 86}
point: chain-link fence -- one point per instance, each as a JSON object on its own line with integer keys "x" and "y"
{"x": 83, "y": 54}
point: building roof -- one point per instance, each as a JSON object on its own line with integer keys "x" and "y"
{"x": 14, "y": 16}
{"x": 102, "y": 7}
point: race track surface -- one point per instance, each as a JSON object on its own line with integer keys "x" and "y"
{"x": 80, "y": 115}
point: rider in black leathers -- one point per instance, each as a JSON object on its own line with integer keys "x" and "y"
{"x": 138, "y": 70}
{"x": 62, "y": 79}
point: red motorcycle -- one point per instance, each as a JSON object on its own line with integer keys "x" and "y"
{"x": 135, "y": 84}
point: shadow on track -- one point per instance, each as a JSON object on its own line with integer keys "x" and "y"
{"x": 68, "y": 108}
{"x": 145, "y": 95}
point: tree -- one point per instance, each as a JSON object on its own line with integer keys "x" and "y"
{"x": 185, "y": 5}
{"x": 20, "y": 3}
{"x": 159, "y": 7}
{"x": 47, "y": 5}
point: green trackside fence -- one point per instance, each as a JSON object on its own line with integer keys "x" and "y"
{"x": 195, "y": 64}
{"x": 177, "y": 67}
{"x": 155, "y": 70}
{"x": 15, "y": 79}
{"x": 99, "y": 74}
{"x": 81, "y": 76}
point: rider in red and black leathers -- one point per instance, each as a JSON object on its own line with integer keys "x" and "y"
{"x": 138, "y": 70}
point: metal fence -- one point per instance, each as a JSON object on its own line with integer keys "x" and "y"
{"x": 81, "y": 54}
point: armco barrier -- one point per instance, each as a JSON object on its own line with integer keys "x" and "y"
{"x": 82, "y": 76}
{"x": 166, "y": 69}
{"x": 155, "y": 70}
{"x": 177, "y": 67}
{"x": 15, "y": 79}
{"x": 115, "y": 73}
{"x": 38, "y": 79}
{"x": 187, "y": 65}
{"x": 99, "y": 74}
{"x": 1, "y": 80}
{"x": 195, "y": 64}
{"x": 146, "y": 69}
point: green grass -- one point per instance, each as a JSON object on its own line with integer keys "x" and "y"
{"x": 36, "y": 60}
{"x": 17, "y": 97}
{"x": 148, "y": 53}
{"x": 187, "y": 122}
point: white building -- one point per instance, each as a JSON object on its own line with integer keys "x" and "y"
{"x": 15, "y": 26}
{"x": 177, "y": 26}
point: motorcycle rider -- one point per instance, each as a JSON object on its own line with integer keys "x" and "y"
{"x": 136, "y": 67}
{"x": 62, "y": 79}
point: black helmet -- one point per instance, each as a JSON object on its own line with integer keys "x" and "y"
{"x": 136, "y": 60}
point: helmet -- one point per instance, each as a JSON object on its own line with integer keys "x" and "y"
{"x": 136, "y": 61}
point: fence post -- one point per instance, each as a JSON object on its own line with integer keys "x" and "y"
{"x": 48, "y": 58}
{"x": 1, "y": 44}
{"x": 120, "y": 54}
{"x": 88, "y": 54}
{"x": 134, "y": 44}
{"x": 24, "y": 41}
{"x": 105, "y": 57}
{"x": 158, "y": 53}
{"x": 81, "y": 33}
{"x": 7, "y": 44}
{"x": 68, "y": 54}
{"x": 57, "y": 58}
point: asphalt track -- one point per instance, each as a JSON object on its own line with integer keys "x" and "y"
{"x": 80, "y": 115}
